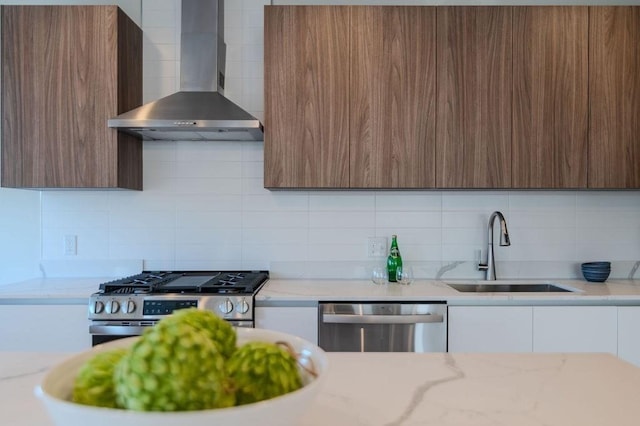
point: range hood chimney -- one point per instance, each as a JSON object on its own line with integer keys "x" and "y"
{"x": 199, "y": 111}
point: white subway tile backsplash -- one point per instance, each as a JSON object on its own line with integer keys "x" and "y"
{"x": 208, "y": 219}
{"x": 414, "y": 236}
{"x": 252, "y": 169}
{"x": 260, "y": 236}
{"x": 539, "y": 252}
{"x": 408, "y": 219}
{"x": 340, "y": 236}
{"x": 472, "y": 219}
{"x": 254, "y": 186}
{"x": 74, "y": 201}
{"x": 541, "y": 200}
{"x": 608, "y": 200}
{"x": 346, "y": 219}
{"x": 341, "y": 201}
{"x": 486, "y": 201}
{"x": 274, "y": 219}
{"x": 343, "y": 252}
{"x": 141, "y": 219}
{"x": 77, "y": 220}
{"x": 263, "y": 254}
{"x": 208, "y": 251}
{"x": 207, "y": 203}
{"x": 397, "y": 201}
{"x": 160, "y": 52}
{"x": 209, "y": 235}
{"x": 275, "y": 202}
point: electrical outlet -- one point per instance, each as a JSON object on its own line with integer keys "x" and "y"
{"x": 70, "y": 245}
{"x": 377, "y": 246}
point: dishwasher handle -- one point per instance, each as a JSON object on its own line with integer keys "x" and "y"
{"x": 381, "y": 319}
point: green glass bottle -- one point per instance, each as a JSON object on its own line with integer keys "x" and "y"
{"x": 394, "y": 260}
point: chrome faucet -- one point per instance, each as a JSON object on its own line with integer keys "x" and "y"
{"x": 490, "y": 265}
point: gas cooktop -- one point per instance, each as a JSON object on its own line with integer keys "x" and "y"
{"x": 191, "y": 282}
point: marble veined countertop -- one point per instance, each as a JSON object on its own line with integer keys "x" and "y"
{"x": 310, "y": 291}
{"x": 419, "y": 389}
{"x": 283, "y": 292}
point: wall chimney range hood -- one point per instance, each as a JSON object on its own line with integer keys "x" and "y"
{"x": 199, "y": 111}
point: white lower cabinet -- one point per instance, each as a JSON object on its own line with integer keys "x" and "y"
{"x": 301, "y": 321}
{"x": 44, "y": 328}
{"x": 545, "y": 329}
{"x": 629, "y": 334}
{"x": 490, "y": 329}
{"x": 575, "y": 329}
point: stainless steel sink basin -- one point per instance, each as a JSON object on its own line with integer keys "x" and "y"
{"x": 509, "y": 287}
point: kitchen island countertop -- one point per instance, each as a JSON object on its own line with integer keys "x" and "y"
{"x": 420, "y": 389}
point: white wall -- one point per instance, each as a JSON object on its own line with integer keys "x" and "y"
{"x": 204, "y": 205}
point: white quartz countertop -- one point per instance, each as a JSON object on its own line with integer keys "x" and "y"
{"x": 309, "y": 291}
{"x": 51, "y": 290}
{"x": 282, "y": 292}
{"x": 419, "y": 389}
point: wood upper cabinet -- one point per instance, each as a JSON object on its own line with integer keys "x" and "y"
{"x": 306, "y": 97}
{"x": 392, "y": 97}
{"x": 474, "y": 97}
{"x": 349, "y": 97}
{"x": 550, "y": 97}
{"x": 614, "y": 96}
{"x": 65, "y": 71}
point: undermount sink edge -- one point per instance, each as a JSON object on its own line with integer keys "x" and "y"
{"x": 510, "y": 286}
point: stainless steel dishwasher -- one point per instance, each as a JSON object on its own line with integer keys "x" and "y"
{"x": 383, "y": 327}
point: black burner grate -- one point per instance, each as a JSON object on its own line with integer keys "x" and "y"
{"x": 161, "y": 282}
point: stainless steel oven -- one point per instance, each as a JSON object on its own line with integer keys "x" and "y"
{"x": 128, "y": 306}
{"x": 383, "y": 327}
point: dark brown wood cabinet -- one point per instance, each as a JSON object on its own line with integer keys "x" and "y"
{"x": 306, "y": 78}
{"x": 518, "y": 97}
{"x": 614, "y": 97}
{"x": 349, "y": 97}
{"x": 550, "y": 97}
{"x": 392, "y": 97}
{"x": 474, "y": 97}
{"x": 65, "y": 71}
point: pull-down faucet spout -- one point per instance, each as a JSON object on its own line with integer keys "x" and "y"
{"x": 490, "y": 265}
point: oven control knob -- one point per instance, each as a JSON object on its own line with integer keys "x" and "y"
{"x": 129, "y": 307}
{"x": 226, "y": 306}
{"x": 98, "y": 307}
{"x": 113, "y": 307}
{"x": 243, "y": 306}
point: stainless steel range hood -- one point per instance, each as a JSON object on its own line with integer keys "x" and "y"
{"x": 199, "y": 111}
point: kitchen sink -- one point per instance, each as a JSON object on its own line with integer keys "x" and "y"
{"x": 509, "y": 287}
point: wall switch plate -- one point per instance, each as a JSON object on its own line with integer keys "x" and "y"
{"x": 377, "y": 246}
{"x": 70, "y": 245}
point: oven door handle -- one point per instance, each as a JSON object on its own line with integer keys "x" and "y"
{"x": 117, "y": 330}
{"x": 381, "y": 319}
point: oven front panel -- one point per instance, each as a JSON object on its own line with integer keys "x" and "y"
{"x": 107, "y": 331}
{"x": 153, "y": 308}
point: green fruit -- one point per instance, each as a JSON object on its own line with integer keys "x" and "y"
{"x": 94, "y": 383}
{"x": 262, "y": 370}
{"x": 221, "y": 332}
{"x": 173, "y": 367}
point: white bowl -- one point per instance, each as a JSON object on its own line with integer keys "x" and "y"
{"x": 56, "y": 388}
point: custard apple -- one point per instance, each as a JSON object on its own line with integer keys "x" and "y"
{"x": 221, "y": 332}
{"x": 263, "y": 370}
{"x": 94, "y": 383}
{"x": 173, "y": 367}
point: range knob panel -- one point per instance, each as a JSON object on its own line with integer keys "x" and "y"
{"x": 243, "y": 306}
{"x": 226, "y": 306}
{"x": 129, "y": 307}
{"x": 98, "y": 307}
{"x": 112, "y": 307}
